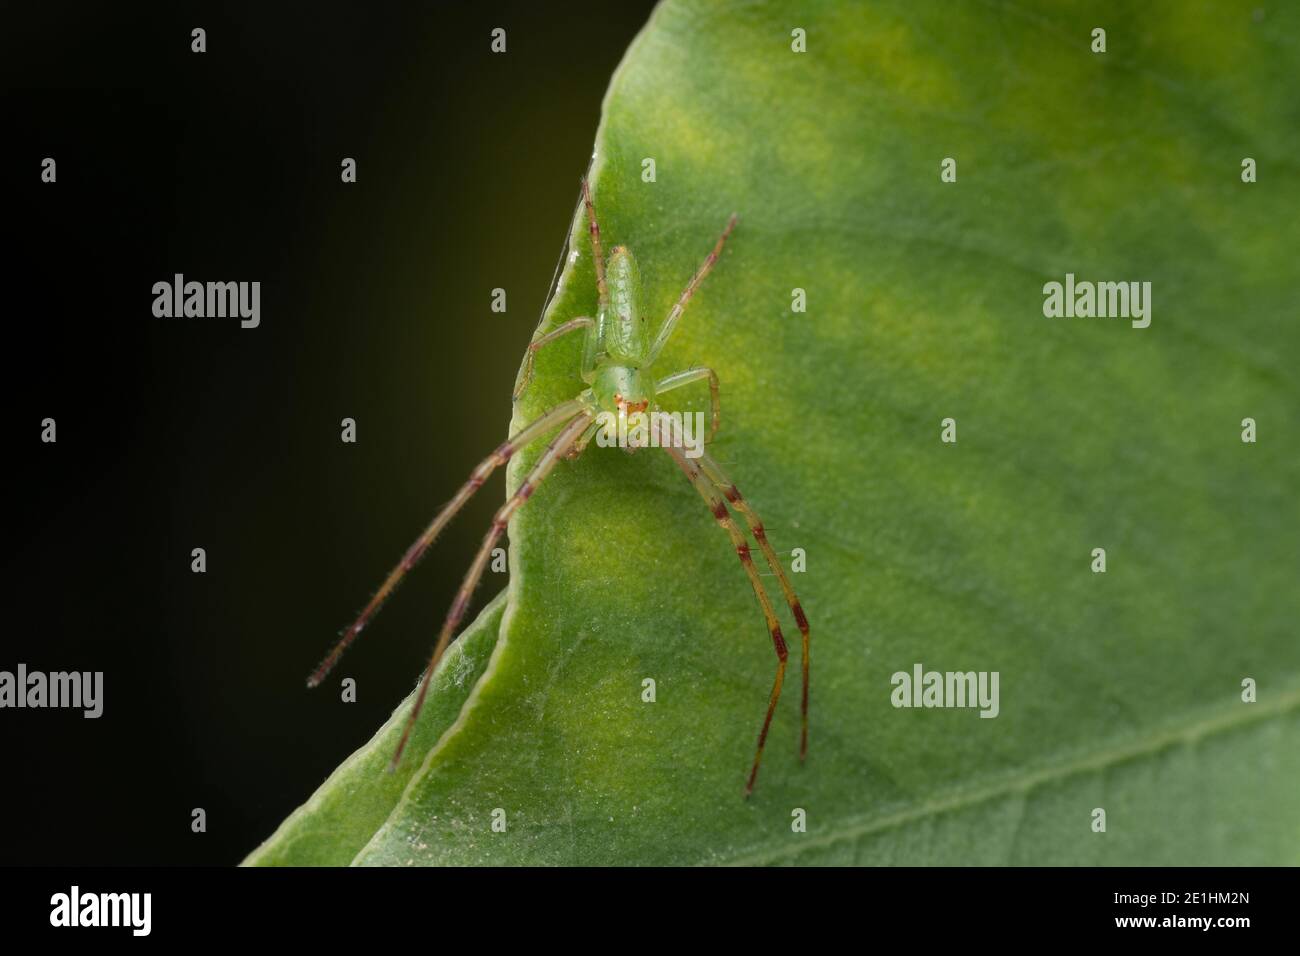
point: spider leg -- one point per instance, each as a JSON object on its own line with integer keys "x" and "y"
{"x": 602, "y": 289}
{"x": 678, "y": 379}
{"x": 538, "y": 427}
{"x": 558, "y": 446}
{"x": 526, "y": 372}
{"x": 733, "y": 496}
{"x": 670, "y": 323}
{"x": 719, "y": 508}
{"x": 579, "y": 446}
{"x": 594, "y": 349}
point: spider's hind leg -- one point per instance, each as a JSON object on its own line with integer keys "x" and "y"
{"x": 670, "y": 323}
{"x": 597, "y": 252}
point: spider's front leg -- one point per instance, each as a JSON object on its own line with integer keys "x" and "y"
{"x": 554, "y": 451}
{"x": 719, "y": 508}
{"x": 729, "y": 491}
{"x": 579, "y": 446}
{"x": 544, "y": 423}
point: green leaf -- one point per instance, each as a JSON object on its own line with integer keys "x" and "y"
{"x": 1119, "y": 690}
{"x": 346, "y": 810}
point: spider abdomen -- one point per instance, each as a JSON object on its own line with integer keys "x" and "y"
{"x": 627, "y": 337}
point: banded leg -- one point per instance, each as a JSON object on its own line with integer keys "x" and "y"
{"x": 556, "y": 416}
{"x": 732, "y": 494}
{"x": 714, "y": 500}
{"x": 579, "y": 446}
{"x": 593, "y": 349}
{"x": 679, "y": 379}
{"x": 526, "y": 373}
{"x": 666, "y": 330}
{"x": 558, "y": 446}
{"x": 597, "y": 254}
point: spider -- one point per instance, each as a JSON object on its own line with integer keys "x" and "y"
{"x": 617, "y": 361}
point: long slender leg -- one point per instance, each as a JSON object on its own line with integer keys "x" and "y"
{"x": 733, "y": 496}
{"x": 714, "y": 500}
{"x": 526, "y": 373}
{"x": 538, "y": 427}
{"x": 597, "y": 254}
{"x": 666, "y": 330}
{"x": 558, "y": 446}
{"x": 594, "y": 348}
{"x": 679, "y": 379}
{"x": 579, "y": 446}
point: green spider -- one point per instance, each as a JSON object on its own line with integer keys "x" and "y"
{"x": 617, "y": 361}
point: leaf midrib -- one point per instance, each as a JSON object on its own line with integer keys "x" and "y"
{"x": 1223, "y": 721}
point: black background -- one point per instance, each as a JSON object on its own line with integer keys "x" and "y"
{"x": 1021, "y": 904}
{"x": 183, "y": 433}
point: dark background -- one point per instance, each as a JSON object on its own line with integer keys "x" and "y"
{"x": 182, "y": 433}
